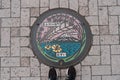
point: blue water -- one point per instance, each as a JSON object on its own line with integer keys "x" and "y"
{"x": 67, "y": 47}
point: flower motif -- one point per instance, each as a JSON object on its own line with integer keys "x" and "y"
{"x": 56, "y": 48}
{"x": 48, "y": 47}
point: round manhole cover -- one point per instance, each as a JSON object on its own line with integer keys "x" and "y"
{"x": 61, "y": 38}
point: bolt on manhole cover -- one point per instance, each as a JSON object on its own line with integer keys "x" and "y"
{"x": 61, "y": 38}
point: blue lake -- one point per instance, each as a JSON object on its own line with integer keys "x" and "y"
{"x": 70, "y": 48}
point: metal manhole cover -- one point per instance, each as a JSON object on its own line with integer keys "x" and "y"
{"x": 61, "y": 38}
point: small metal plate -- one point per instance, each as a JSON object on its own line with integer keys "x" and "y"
{"x": 61, "y": 38}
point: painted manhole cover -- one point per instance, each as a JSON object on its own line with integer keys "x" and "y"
{"x": 61, "y": 38}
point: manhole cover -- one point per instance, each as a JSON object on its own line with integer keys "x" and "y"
{"x": 61, "y": 38}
